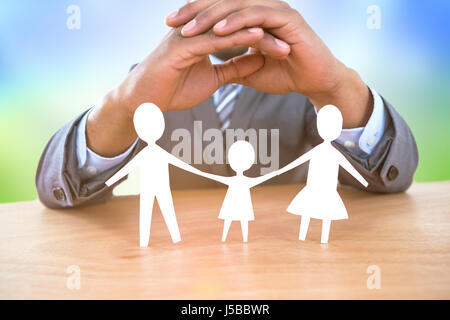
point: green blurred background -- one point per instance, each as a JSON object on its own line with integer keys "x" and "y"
{"x": 49, "y": 74}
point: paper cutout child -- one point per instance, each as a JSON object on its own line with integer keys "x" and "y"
{"x": 320, "y": 199}
{"x": 237, "y": 205}
{"x": 153, "y": 162}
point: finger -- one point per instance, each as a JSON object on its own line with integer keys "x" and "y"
{"x": 237, "y": 69}
{"x": 265, "y": 17}
{"x": 187, "y": 12}
{"x": 201, "y": 20}
{"x": 272, "y": 46}
{"x": 252, "y": 50}
{"x": 209, "y": 43}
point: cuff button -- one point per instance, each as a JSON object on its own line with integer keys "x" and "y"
{"x": 371, "y": 141}
{"x": 84, "y": 191}
{"x": 59, "y": 194}
{"x": 350, "y": 144}
{"x": 92, "y": 171}
{"x": 392, "y": 173}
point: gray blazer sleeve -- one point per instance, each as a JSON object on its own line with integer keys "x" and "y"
{"x": 391, "y": 165}
{"x": 57, "y": 178}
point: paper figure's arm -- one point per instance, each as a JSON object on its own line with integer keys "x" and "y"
{"x": 302, "y": 159}
{"x": 299, "y": 161}
{"x": 350, "y": 169}
{"x": 259, "y": 180}
{"x": 221, "y": 179}
{"x": 126, "y": 169}
{"x": 183, "y": 165}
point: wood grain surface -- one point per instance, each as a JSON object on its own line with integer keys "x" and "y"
{"x": 405, "y": 235}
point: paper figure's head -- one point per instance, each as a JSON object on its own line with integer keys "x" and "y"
{"x": 241, "y": 156}
{"x": 329, "y": 123}
{"x": 149, "y": 122}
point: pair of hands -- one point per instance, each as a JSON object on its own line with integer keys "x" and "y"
{"x": 285, "y": 56}
{"x": 283, "y": 48}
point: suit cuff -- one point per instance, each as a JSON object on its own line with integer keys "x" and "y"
{"x": 89, "y": 162}
{"x": 362, "y": 141}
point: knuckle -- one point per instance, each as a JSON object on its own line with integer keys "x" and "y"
{"x": 183, "y": 11}
{"x": 172, "y": 37}
{"x": 236, "y": 71}
{"x": 203, "y": 18}
{"x": 284, "y": 4}
{"x": 237, "y": 42}
{"x": 220, "y": 75}
{"x": 295, "y": 13}
{"x": 259, "y": 8}
{"x": 211, "y": 36}
{"x": 175, "y": 35}
{"x": 244, "y": 81}
{"x": 187, "y": 8}
{"x": 206, "y": 15}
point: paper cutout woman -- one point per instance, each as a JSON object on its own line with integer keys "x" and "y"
{"x": 237, "y": 205}
{"x": 320, "y": 199}
{"x": 153, "y": 162}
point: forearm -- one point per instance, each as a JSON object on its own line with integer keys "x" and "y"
{"x": 350, "y": 94}
{"x": 109, "y": 128}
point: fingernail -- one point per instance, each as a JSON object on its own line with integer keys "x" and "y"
{"x": 172, "y": 15}
{"x": 282, "y": 43}
{"x": 221, "y": 24}
{"x": 189, "y": 26}
{"x": 254, "y": 30}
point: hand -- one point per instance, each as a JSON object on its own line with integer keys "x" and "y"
{"x": 179, "y": 75}
{"x": 310, "y": 68}
{"x": 176, "y": 75}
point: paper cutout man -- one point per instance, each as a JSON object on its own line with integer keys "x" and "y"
{"x": 237, "y": 205}
{"x": 153, "y": 162}
{"x": 320, "y": 199}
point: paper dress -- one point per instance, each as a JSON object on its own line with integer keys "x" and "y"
{"x": 320, "y": 199}
{"x": 237, "y": 205}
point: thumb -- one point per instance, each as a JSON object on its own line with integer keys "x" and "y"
{"x": 237, "y": 69}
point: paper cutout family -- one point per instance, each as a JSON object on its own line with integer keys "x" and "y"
{"x": 319, "y": 199}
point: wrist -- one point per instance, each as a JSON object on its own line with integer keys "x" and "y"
{"x": 135, "y": 90}
{"x": 115, "y": 103}
{"x": 351, "y": 95}
{"x": 109, "y": 127}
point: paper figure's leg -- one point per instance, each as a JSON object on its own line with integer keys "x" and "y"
{"x": 325, "y": 230}
{"x": 304, "y": 225}
{"x": 244, "y": 227}
{"x": 226, "y": 227}
{"x": 168, "y": 212}
{"x": 145, "y": 218}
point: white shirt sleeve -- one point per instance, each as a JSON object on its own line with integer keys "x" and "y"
{"x": 363, "y": 140}
{"x": 91, "y": 164}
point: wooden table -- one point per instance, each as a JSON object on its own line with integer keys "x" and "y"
{"x": 406, "y": 236}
